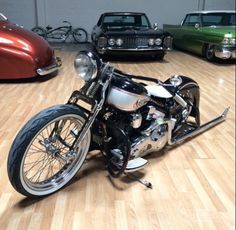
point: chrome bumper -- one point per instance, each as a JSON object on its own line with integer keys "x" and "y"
{"x": 225, "y": 53}
{"x": 49, "y": 69}
{"x": 115, "y": 49}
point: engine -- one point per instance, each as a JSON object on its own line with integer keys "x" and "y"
{"x": 149, "y": 137}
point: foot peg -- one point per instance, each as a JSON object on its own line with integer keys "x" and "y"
{"x": 136, "y": 164}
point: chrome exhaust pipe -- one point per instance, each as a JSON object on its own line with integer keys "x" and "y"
{"x": 198, "y": 130}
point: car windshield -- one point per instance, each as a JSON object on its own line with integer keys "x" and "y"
{"x": 2, "y": 17}
{"x": 218, "y": 19}
{"x": 125, "y": 21}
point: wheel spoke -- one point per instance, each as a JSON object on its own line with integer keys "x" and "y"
{"x": 48, "y": 162}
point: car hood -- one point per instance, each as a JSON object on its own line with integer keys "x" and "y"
{"x": 17, "y": 39}
{"x": 116, "y": 31}
{"x": 220, "y": 30}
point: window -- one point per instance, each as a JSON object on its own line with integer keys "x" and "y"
{"x": 232, "y": 20}
{"x": 218, "y": 19}
{"x": 126, "y": 20}
{"x": 191, "y": 20}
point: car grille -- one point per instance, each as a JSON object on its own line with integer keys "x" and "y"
{"x": 132, "y": 42}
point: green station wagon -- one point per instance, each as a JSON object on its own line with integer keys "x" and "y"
{"x": 207, "y": 33}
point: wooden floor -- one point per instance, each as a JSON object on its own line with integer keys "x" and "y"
{"x": 193, "y": 184}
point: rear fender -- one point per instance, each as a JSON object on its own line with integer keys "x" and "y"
{"x": 191, "y": 86}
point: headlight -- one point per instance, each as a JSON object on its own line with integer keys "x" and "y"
{"x": 86, "y": 65}
{"x": 119, "y": 42}
{"x": 158, "y": 41}
{"x": 233, "y": 41}
{"x": 226, "y": 41}
{"x": 151, "y": 41}
{"x": 102, "y": 42}
{"x": 111, "y": 41}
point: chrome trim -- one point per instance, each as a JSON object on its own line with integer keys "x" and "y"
{"x": 134, "y": 49}
{"x": 198, "y": 130}
{"x": 3, "y": 16}
{"x": 180, "y": 100}
{"x": 190, "y": 83}
{"x": 225, "y": 53}
{"x": 49, "y": 69}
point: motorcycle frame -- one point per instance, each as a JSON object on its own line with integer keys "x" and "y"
{"x": 87, "y": 93}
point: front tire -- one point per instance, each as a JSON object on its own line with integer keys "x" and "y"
{"x": 210, "y": 53}
{"x": 40, "y": 161}
{"x": 80, "y": 35}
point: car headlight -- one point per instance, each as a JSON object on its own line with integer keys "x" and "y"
{"x": 233, "y": 41}
{"x": 86, "y": 65}
{"x": 119, "y": 42}
{"x": 158, "y": 41}
{"x": 226, "y": 41}
{"x": 229, "y": 40}
{"x": 151, "y": 41}
{"x": 111, "y": 41}
{"x": 102, "y": 42}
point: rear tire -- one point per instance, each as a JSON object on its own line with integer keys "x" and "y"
{"x": 40, "y": 161}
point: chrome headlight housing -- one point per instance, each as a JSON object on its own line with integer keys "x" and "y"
{"x": 86, "y": 65}
{"x": 102, "y": 42}
{"x": 111, "y": 41}
{"x": 228, "y": 40}
{"x": 158, "y": 41}
{"x": 151, "y": 42}
{"x": 119, "y": 42}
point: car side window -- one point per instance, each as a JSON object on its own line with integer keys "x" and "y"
{"x": 191, "y": 20}
{"x": 212, "y": 19}
{"x": 232, "y": 21}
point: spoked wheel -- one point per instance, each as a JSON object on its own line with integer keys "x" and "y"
{"x": 41, "y": 159}
{"x": 80, "y": 35}
{"x": 40, "y": 31}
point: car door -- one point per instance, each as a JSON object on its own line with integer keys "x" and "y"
{"x": 191, "y": 33}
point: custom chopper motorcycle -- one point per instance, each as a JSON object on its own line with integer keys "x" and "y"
{"x": 123, "y": 118}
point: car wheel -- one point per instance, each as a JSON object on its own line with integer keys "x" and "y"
{"x": 159, "y": 56}
{"x": 210, "y": 53}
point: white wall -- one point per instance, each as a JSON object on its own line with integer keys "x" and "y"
{"x": 85, "y": 13}
{"x": 220, "y": 5}
{"x": 21, "y": 12}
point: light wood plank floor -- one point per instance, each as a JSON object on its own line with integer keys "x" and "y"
{"x": 193, "y": 183}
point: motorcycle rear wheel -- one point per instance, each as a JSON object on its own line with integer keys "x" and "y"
{"x": 40, "y": 161}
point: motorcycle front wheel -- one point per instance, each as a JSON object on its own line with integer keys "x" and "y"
{"x": 42, "y": 159}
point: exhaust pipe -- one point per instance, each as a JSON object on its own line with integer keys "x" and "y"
{"x": 198, "y": 130}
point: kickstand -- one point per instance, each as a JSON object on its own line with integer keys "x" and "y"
{"x": 144, "y": 182}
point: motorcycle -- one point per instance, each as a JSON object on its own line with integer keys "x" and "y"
{"x": 114, "y": 113}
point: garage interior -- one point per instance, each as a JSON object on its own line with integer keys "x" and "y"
{"x": 193, "y": 182}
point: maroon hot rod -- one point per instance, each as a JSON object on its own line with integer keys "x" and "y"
{"x": 24, "y": 54}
